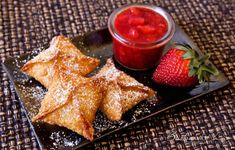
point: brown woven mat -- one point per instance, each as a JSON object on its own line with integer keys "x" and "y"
{"x": 205, "y": 123}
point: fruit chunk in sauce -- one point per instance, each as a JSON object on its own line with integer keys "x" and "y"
{"x": 138, "y": 25}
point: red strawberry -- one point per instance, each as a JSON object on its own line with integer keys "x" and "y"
{"x": 181, "y": 66}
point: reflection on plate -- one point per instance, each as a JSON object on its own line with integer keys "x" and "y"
{"x": 98, "y": 44}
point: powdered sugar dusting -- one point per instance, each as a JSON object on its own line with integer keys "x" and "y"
{"x": 61, "y": 138}
{"x": 21, "y": 60}
{"x": 32, "y": 96}
{"x": 31, "y": 93}
{"x": 143, "y": 108}
{"x": 102, "y": 124}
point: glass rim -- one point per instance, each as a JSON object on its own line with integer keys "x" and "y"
{"x": 167, "y": 36}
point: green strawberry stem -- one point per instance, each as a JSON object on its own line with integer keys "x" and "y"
{"x": 199, "y": 65}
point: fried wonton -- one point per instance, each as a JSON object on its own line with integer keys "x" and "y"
{"x": 61, "y": 53}
{"x": 72, "y": 102}
{"x": 122, "y": 91}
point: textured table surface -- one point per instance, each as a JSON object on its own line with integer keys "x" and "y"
{"x": 204, "y": 123}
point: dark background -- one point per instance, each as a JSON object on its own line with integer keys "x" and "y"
{"x": 207, "y": 122}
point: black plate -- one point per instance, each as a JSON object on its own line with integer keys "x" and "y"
{"x": 98, "y": 44}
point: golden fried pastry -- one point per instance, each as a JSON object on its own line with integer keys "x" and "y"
{"x": 61, "y": 53}
{"x": 122, "y": 91}
{"x": 72, "y": 102}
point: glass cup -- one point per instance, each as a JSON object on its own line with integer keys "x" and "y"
{"x": 137, "y": 55}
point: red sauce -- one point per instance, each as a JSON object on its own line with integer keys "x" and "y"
{"x": 138, "y": 24}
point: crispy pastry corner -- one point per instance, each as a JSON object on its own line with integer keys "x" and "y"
{"x": 122, "y": 91}
{"x": 72, "y": 102}
{"x": 60, "y": 53}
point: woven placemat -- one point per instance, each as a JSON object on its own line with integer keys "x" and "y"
{"x": 205, "y": 123}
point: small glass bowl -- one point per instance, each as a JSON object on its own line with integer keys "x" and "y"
{"x": 139, "y": 55}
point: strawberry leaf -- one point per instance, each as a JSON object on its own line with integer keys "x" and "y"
{"x": 204, "y": 58}
{"x": 195, "y": 63}
{"x": 199, "y": 66}
{"x": 188, "y": 55}
{"x": 192, "y": 72}
{"x": 210, "y": 69}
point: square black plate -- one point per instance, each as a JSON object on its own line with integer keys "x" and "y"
{"x": 98, "y": 44}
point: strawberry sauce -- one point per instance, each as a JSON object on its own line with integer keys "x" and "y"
{"x": 140, "y": 25}
{"x": 139, "y": 36}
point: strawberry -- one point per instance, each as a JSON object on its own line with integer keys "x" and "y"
{"x": 136, "y": 21}
{"x": 182, "y": 66}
